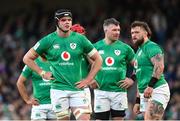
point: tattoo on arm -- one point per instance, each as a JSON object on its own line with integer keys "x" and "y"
{"x": 158, "y": 62}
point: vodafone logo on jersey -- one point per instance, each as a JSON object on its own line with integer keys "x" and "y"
{"x": 65, "y": 55}
{"x": 109, "y": 61}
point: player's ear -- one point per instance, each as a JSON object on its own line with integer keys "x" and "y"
{"x": 105, "y": 29}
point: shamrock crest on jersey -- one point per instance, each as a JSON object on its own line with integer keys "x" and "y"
{"x": 56, "y": 46}
{"x": 109, "y": 61}
{"x": 117, "y": 52}
{"x": 73, "y": 45}
{"x": 65, "y": 55}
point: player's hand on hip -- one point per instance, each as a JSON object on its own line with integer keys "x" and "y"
{"x": 148, "y": 92}
{"x": 48, "y": 76}
{"x": 136, "y": 108}
{"x": 83, "y": 83}
{"x": 32, "y": 101}
{"x": 126, "y": 83}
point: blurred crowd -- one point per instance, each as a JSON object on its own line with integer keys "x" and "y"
{"x": 19, "y": 31}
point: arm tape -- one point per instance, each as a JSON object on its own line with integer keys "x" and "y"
{"x": 133, "y": 77}
{"x": 152, "y": 82}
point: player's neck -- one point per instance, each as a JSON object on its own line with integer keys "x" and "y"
{"x": 145, "y": 39}
{"x": 63, "y": 34}
{"x": 108, "y": 41}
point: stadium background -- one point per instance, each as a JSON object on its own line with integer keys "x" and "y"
{"x": 22, "y": 23}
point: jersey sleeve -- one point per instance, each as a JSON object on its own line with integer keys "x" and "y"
{"x": 130, "y": 54}
{"x": 26, "y": 72}
{"x": 153, "y": 50}
{"x": 88, "y": 47}
{"x": 42, "y": 45}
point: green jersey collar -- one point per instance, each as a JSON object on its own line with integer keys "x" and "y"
{"x": 145, "y": 43}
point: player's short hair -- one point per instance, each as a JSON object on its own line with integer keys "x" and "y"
{"x": 109, "y": 21}
{"x": 143, "y": 25}
{"x": 78, "y": 28}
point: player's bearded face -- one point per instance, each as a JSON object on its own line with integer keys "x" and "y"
{"x": 137, "y": 36}
{"x": 65, "y": 23}
{"x": 139, "y": 41}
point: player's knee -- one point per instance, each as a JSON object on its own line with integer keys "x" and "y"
{"x": 84, "y": 114}
{"x": 155, "y": 110}
{"x": 63, "y": 115}
{"x": 155, "y": 116}
{"x": 102, "y": 115}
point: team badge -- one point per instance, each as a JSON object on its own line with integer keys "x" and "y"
{"x": 73, "y": 45}
{"x": 117, "y": 52}
{"x": 109, "y": 61}
{"x": 65, "y": 55}
{"x": 56, "y": 46}
{"x": 101, "y": 51}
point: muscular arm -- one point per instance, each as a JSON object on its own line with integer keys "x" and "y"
{"x": 127, "y": 82}
{"x": 29, "y": 58}
{"x": 23, "y": 91}
{"x": 158, "y": 62}
{"x": 21, "y": 88}
{"x": 96, "y": 66}
{"x": 89, "y": 60}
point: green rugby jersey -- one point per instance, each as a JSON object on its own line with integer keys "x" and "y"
{"x": 65, "y": 56}
{"x": 115, "y": 57}
{"x": 143, "y": 65}
{"x": 85, "y": 67}
{"x": 41, "y": 87}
